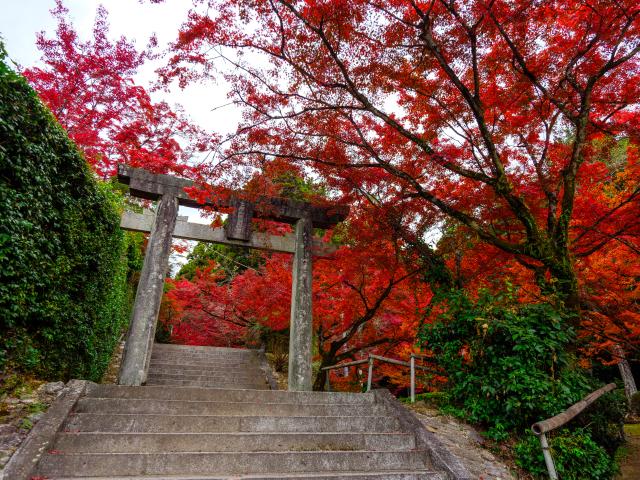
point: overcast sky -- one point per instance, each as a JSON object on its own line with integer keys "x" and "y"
{"x": 20, "y": 20}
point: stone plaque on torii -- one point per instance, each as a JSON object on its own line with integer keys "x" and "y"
{"x": 165, "y": 225}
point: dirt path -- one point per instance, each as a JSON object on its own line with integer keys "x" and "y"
{"x": 630, "y": 461}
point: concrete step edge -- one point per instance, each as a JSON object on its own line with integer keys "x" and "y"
{"x": 186, "y": 376}
{"x": 224, "y": 402}
{"x": 146, "y": 392}
{"x": 168, "y": 443}
{"x": 388, "y": 475}
{"x": 229, "y": 463}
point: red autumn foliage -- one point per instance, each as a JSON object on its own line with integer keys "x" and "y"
{"x": 510, "y": 124}
{"x": 89, "y": 87}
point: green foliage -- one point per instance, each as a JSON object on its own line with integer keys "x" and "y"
{"x": 64, "y": 296}
{"x": 635, "y": 403}
{"x": 514, "y": 371}
{"x": 229, "y": 260}
{"x": 510, "y": 365}
{"x": 295, "y": 187}
{"x": 576, "y": 456}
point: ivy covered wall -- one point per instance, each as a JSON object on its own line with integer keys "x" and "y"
{"x": 64, "y": 262}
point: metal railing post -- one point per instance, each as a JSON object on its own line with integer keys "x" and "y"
{"x": 541, "y": 428}
{"x": 413, "y": 378}
{"x": 548, "y": 459}
{"x": 370, "y": 375}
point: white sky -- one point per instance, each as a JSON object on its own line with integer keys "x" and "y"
{"x": 21, "y": 20}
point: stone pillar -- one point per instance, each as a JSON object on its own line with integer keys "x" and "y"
{"x": 301, "y": 327}
{"x": 137, "y": 351}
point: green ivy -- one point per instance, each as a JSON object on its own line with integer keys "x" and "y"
{"x": 64, "y": 261}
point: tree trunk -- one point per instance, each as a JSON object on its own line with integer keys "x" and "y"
{"x": 567, "y": 283}
{"x": 625, "y": 372}
{"x": 321, "y": 378}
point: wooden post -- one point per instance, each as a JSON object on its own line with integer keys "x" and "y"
{"x": 541, "y": 428}
{"x": 301, "y": 329}
{"x": 370, "y": 374}
{"x": 137, "y": 352}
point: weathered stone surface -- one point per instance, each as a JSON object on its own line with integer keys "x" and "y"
{"x": 301, "y": 328}
{"x": 52, "y": 387}
{"x": 116, "y": 432}
{"x": 238, "y": 226}
{"x": 137, "y": 351}
{"x": 39, "y": 441}
{"x": 441, "y": 457}
{"x": 138, "y": 222}
{"x": 171, "y": 191}
{"x": 463, "y": 441}
{"x": 144, "y": 184}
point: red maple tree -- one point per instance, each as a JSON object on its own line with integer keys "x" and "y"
{"x": 484, "y": 113}
{"x": 89, "y": 87}
{"x": 513, "y": 124}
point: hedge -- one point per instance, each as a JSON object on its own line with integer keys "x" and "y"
{"x": 64, "y": 261}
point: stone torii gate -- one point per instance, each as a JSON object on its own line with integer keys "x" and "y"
{"x": 165, "y": 225}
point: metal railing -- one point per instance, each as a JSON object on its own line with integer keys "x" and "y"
{"x": 541, "y": 428}
{"x": 371, "y": 359}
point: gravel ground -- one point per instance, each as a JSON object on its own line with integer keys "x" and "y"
{"x": 464, "y": 442}
{"x": 20, "y": 413}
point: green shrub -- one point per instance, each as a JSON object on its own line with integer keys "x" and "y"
{"x": 515, "y": 370}
{"x": 575, "y": 454}
{"x": 510, "y": 365}
{"x": 64, "y": 295}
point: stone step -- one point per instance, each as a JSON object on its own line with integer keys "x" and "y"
{"x": 229, "y": 353}
{"x": 389, "y": 475}
{"x": 199, "y": 348}
{"x": 204, "y": 357}
{"x": 105, "y": 464}
{"x": 228, "y": 442}
{"x": 145, "y": 423}
{"x": 251, "y": 360}
{"x": 253, "y": 377}
{"x": 213, "y": 385}
{"x": 202, "y": 364}
{"x": 186, "y": 407}
{"x": 232, "y": 395}
{"x": 243, "y": 356}
{"x": 200, "y": 369}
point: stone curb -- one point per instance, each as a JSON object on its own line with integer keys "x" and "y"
{"x": 40, "y": 438}
{"x": 441, "y": 457}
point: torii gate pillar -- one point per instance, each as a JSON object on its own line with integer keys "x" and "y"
{"x": 137, "y": 352}
{"x": 301, "y": 327}
{"x": 169, "y": 192}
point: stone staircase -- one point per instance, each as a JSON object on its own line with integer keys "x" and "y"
{"x": 207, "y": 413}
{"x": 206, "y": 367}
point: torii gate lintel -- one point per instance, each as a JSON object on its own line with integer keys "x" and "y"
{"x": 169, "y": 192}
